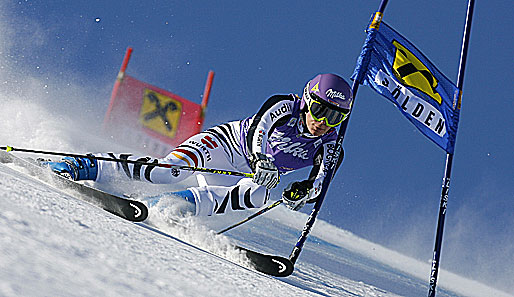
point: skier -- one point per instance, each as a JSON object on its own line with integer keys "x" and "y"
{"x": 286, "y": 134}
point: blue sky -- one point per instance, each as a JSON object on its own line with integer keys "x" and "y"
{"x": 388, "y": 188}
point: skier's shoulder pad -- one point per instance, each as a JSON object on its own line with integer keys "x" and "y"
{"x": 276, "y": 99}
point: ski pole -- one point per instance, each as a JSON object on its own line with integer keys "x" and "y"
{"x": 187, "y": 168}
{"x": 265, "y": 209}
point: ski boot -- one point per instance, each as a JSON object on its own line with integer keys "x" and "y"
{"x": 184, "y": 201}
{"x": 73, "y": 168}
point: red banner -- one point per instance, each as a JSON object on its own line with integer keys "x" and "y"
{"x": 150, "y": 119}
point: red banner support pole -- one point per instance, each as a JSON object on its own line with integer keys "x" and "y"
{"x": 205, "y": 99}
{"x": 119, "y": 79}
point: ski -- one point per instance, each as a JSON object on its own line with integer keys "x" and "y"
{"x": 128, "y": 209}
{"x": 269, "y": 264}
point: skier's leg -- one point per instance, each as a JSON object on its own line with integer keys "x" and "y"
{"x": 108, "y": 171}
{"x": 217, "y": 147}
{"x": 243, "y": 195}
{"x": 221, "y": 150}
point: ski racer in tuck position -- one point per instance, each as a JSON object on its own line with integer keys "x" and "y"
{"x": 286, "y": 134}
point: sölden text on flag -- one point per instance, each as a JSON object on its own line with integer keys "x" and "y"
{"x": 397, "y": 70}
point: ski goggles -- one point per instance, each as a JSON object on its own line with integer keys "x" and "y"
{"x": 320, "y": 110}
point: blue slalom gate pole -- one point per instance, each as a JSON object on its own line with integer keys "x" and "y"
{"x": 295, "y": 253}
{"x": 449, "y": 158}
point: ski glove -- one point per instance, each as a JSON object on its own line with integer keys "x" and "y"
{"x": 265, "y": 172}
{"x": 296, "y": 194}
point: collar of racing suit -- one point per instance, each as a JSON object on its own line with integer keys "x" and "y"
{"x": 302, "y": 127}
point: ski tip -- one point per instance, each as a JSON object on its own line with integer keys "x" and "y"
{"x": 281, "y": 267}
{"x": 269, "y": 264}
{"x": 135, "y": 211}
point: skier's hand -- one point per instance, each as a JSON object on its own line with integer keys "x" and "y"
{"x": 265, "y": 172}
{"x": 296, "y": 194}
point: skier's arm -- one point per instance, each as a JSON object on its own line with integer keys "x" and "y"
{"x": 307, "y": 191}
{"x": 319, "y": 170}
{"x": 296, "y": 194}
{"x": 275, "y": 111}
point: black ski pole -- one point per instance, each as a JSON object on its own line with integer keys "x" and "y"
{"x": 188, "y": 168}
{"x": 295, "y": 253}
{"x": 265, "y": 209}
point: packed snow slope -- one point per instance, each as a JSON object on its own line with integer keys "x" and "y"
{"x": 52, "y": 244}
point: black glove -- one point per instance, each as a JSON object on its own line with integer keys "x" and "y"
{"x": 296, "y": 194}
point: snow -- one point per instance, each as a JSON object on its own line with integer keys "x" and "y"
{"x": 53, "y": 244}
